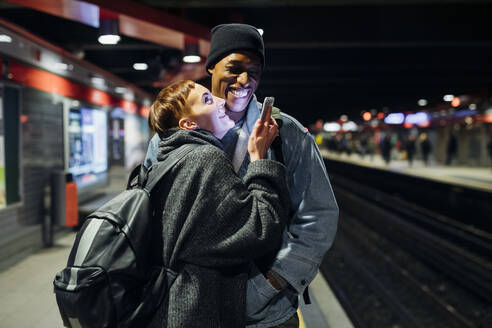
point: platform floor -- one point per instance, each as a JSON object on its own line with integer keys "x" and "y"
{"x": 27, "y": 299}
{"x": 472, "y": 177}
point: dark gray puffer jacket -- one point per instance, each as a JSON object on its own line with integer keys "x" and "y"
{"x": 214, "y": 225}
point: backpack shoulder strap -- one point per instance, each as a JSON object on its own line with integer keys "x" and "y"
{"x": 157, "y": 171}
{"x": 277, "y": 142}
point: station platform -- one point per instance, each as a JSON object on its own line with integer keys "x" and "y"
{"x": 472, "y": 177}
{"x": 28, "y": 301}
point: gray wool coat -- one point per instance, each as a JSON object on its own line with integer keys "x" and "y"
{"x": 214, "y": 224}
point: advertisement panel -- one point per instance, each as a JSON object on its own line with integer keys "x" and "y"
{"x": 117, "y": 136}
{"x": 88, "y": 148}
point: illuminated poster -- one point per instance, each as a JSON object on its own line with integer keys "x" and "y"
{"x": 117, "y": 136}
{"x": 87, "y": 135}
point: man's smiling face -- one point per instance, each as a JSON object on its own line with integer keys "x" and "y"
{"x": 235, "y": 78}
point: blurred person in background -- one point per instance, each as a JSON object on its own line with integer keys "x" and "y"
{"x": 371, "y": 147}
{"x": 425, "y": 148}
{"x": 363, "y": 144}
{"x": 396, "y": 145}
{"x": 410, "y": 148}
{"x": 339, "y": 143}
{"x": 386, "y": 147}
{"x": 235, "y": 62}
{"x": 451, "y": 148}
{"x": 489, "y": 149}
{"x": 351, "y": 144}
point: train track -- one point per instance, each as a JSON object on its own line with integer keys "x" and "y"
{"x": 395, "y": 264}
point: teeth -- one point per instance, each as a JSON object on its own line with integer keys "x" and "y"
{"x": 239, "y": 92}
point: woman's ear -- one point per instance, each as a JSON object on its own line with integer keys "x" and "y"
{"x": 187, "y": 124}
{"x": 211, "y": 70}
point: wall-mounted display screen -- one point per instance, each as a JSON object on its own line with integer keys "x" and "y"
{"x": 88, "y": 146}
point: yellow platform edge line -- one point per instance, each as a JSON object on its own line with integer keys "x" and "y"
{"x": 301, "y": 320}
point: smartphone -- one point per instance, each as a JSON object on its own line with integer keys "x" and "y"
{"x": 266, "y": 111}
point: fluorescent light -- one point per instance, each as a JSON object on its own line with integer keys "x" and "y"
{"x": 109, "y": 39}
{"x": 422, "y": 102}
{"x": 331, "y": 127}
{"x": 394, "y": 118}
{"x": 417, "y": 118}
{"x": 120, "y": 90}
{"x": 61, "y": 66}
{"x": 192, "y": 59}
{"x": 140, "y": 66}
{"x": 130, "y": 96}
{"x": 97, "y": 80}
{"x": 260, "y": 30}
{"x": 448, "y": 97}
{"x": 349, "y": 126}
{"x": 5, "y": 38}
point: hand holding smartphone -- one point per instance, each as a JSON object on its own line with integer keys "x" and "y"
{"x": 266, "y": 112}
{"x": 264, "y": 132}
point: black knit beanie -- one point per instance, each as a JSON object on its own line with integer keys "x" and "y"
{"x": 229, "y": 38}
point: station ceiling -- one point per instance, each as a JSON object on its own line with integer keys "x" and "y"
{"x": 323, "y": 58}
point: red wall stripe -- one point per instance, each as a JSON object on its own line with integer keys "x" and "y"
{"x": 52, "y": 83}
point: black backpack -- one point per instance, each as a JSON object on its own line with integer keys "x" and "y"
{"x": 114, "y": 276}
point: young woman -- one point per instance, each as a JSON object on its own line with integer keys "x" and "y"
{"x": 214, "y": 223}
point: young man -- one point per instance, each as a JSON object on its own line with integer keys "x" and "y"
{"x": 235, "y": 63}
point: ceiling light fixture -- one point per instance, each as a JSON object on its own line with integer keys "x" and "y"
{"x": 108, "y": 31}
{"x": 191, "y": 50}
{"x": 140, "y": 66}
{"x": 99, "y": 81}
{"x": 394, "y": 118}
{"x": 448, "y": 97}
{"x": 331, "y": 127}
{"x": 5, "y": 38}
{"x": 61, "y": 66}
{"x": 422, "y": 102}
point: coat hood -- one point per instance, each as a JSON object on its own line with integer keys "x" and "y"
{"x": 174, "y": 138}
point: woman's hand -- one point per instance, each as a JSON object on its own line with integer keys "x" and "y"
{"x": 261, "y": 138}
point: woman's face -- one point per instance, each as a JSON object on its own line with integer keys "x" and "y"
{"x": 208, "y": 111}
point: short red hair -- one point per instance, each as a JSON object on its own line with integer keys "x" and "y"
{"x": 170, "y": 106}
